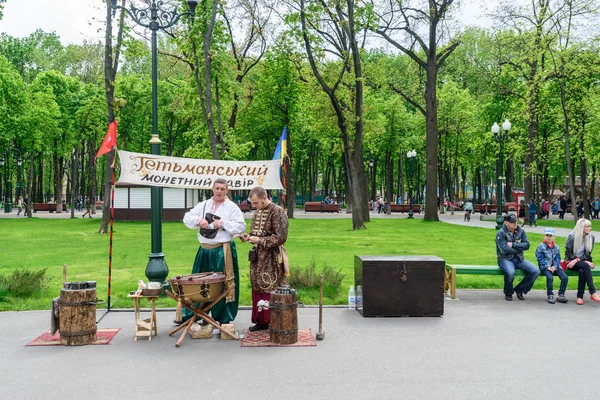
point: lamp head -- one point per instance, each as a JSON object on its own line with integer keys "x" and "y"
{"x": 19, "y": 161}
{"x": 506, "y": 125}
{"x": 2, "y": 162}
{"x": 495, "y": 128}
{"x": 192, "y": 5}
{"x": 113, "y": 4}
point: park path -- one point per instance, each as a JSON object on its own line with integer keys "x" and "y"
{"x": 456, "y": 219}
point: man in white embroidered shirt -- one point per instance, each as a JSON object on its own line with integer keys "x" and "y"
{"x": 218, "y": 220}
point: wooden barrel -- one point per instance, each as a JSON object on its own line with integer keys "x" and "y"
{"x": 284, "y": 318}
{"x": 77, "y": 316}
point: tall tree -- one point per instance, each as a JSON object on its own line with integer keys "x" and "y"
{"x": 111, "y": 66}
{"x": 334, "y": 26}
{"x": 415, "y": 28}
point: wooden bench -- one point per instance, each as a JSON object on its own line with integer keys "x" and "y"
{"x": 245, "y": 207}
{"x": 47, "y": 207}
{"x": 315, "y": 206}
{"x": 491, "y": 208}
{"x": 405, "y": 207}
{"x": 455, "y": 269}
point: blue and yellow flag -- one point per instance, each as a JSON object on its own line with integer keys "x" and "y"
{"x": 281, "y": 149}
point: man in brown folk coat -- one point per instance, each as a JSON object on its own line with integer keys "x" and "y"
{"x": 268, "y": 233}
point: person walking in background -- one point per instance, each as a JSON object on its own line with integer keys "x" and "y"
{"x": 20, "y": 205}
{"x": 596, "y": 208}
{"x": 563, "y": 207}
{"x": 88, "y": 208}
{"x": 545, "y": 209}
{"x": 580, "y": 209}
{"x": 548, "y": 258}
{"x": 578, "y": 255}
{"x": 522, "y": 207}
{"x": 26, "y": 205}
{"x": 532, "y": 213}
{"x": 511, "y": 242}
{"x": 468, "y": 209}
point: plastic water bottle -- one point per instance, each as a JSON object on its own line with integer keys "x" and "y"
{"x": 351, "y": 298}
{"x": 359, "y": 297}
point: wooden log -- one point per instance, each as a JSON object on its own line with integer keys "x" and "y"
{"x": 77, "y": 314}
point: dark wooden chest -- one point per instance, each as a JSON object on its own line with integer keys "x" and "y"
{"x": 399, "y": 286}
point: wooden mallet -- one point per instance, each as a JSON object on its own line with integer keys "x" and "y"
{"x": 321, "y": 335}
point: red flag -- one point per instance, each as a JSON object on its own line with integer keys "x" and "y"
{"x": 110, "y": 140}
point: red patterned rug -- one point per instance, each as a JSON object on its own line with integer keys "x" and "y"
{"x": 263, "y": 339}
{"x": 103, "y": 336}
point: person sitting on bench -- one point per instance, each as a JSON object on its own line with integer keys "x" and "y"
{"x": 548, "y": 258}
{"x": 511, "y": 241}
{"x": 578, "y": 254}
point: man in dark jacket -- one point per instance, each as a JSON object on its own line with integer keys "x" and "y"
{"x": 563, "y": 207}
{"x": 511, "y": 241}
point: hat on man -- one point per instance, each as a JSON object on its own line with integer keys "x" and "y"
{"x": 510, "y": 218}
{"x": 549, "y": 231}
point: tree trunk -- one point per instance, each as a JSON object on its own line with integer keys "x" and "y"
{"x": 210, "y": 123}
{"x": 111, "y": 66}
{"x": 431, "y": 136}
{"x": 58, "y": 180}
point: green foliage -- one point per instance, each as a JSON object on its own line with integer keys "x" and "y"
{"x": 309, "y": 278}
{"x": 23, "y": 283}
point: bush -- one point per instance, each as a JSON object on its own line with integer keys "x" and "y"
{"x": 23, "y": 283}
{"x": 308, "y": 278}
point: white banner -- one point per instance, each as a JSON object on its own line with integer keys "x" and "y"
{"x": 163, "y": 171}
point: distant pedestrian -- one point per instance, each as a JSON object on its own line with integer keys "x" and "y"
{"x": 88, "y": 208}
{"x": 468, "y": 210}
{"x": 532, "y": 213}
{"x": 522, "y": 207}
{"x": 596, "y": 208}
{"x": 20, "y": 205}
{"x": 579, "y": 209}
{"x": 26, "y": 204}
{"x": 563, "y": 207}
{"x": 545, "y": 209}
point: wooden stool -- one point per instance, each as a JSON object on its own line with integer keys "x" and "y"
{"x": 144, "y": 327}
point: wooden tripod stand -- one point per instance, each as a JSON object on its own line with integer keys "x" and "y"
{"x": 200, "y": 311}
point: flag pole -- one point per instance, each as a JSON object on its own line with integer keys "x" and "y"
{"x": 112, "y": 219}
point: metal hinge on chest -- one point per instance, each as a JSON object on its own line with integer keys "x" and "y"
{"x": 404, "y": 272}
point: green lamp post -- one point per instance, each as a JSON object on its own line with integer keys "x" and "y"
{"x": 7, "y": 188}
{"x": 500, "y": 137}
{"x": 155, "y": 18}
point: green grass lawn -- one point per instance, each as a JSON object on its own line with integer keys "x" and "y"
{"x": 48, "y": 243}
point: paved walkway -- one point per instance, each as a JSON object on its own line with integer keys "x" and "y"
{"x": 482, "y": 348}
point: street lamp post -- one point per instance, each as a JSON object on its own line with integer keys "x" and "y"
{"x": 500, "y": 137}
{"x": 154, "y": 18}
{"x": 8, "y": 189}
{"x": 412, "y": 157}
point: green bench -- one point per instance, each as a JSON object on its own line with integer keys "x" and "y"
{"x": 454, "y": 269}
